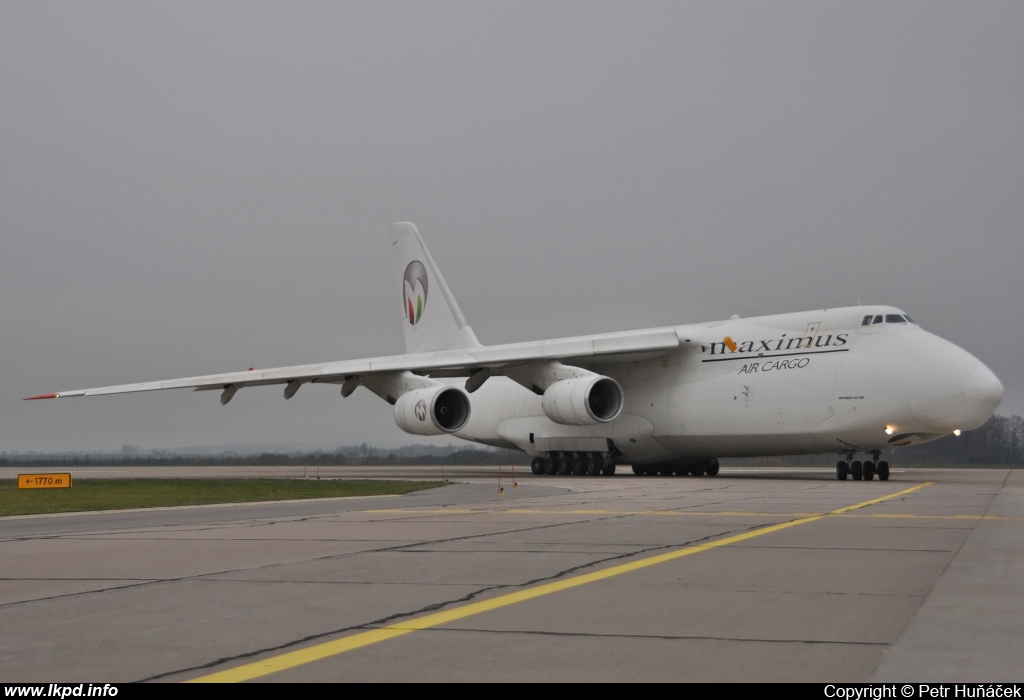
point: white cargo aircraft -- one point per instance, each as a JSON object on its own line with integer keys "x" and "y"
{"x": 852, "y": 380}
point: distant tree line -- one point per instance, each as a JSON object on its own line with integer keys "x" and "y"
{"x": 999, "y": 442}
{"x": 338, "y": 458}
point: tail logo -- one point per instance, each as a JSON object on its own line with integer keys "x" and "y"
{"x": 414, "y": 291}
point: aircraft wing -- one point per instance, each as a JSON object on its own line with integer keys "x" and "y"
{"x": 456, "y": 362}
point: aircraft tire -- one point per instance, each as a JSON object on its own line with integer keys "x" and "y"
{"x": 537, "y": 465}
{"x": 638, "y": 470}
{"x": 711, "y": 467}
{"x": 664, "y": 471}
{"x": 551, "y": 465}
{"x": 697, "y": 470}
{"x": 564, "y": 463}
{"x": 869, "y": 471}
{"x": 856, "y": 470}
{"x": 681, "y": 471}
{"x": 580, "y": 463}
{"x": 595, "y": 463}
{"x": 609, "y": 468}
{"x": 883, "y": 471}
{"x": 842, "y": 469}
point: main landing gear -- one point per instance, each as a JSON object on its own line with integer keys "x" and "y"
{"x": 575, "y": 463}
{"x": 565, "y": 463}
{"x": 708, "y": 466}
{"x": 866, "y": 470}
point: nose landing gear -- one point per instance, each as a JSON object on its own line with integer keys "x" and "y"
{"x": 842, "y": 470}
{"x": 856, "y": 470}
{"x": 866, "y": 470}
{"x": 881, "y": 468}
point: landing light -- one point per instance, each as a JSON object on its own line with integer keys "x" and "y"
{"x": 889, "y": 430}
{"x": 956, "y": 432}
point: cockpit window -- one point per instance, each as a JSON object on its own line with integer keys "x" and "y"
{"x": 871, "y": 320}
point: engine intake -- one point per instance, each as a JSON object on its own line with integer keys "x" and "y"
{"x": 583, "y": 400}
{"x": 432, "y": 411}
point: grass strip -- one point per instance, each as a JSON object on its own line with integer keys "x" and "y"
{"x": 114, "y": 494}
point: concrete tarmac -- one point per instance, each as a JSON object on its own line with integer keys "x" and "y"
{"x": 754, "y": 575}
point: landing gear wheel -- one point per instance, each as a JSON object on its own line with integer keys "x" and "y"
{"x": 579, "y": 463}
{"x": 856, "y": 471}
{"x": 869, "y": 471}
{"x": 883, "y": 471}
{"x": 697, "y": 470}
{"x": 681, "y": 471}
{"x": 842, "y": 469}
{"x": 711, "y": 467}
{"x": 595, "y": 463}
{"x": 565, "y": 463}
{"x": 664, "y": 471}
{"x": 609, "y": 468}
{"x": 638, "y": 470}
{"x": 551, "y": 464}
{"x": 537, "y": 465}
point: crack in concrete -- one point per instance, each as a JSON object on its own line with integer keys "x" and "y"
{"x": 263, "y": 567}
{"x": 420, "y": 611}
{"x": 666, "y": 637}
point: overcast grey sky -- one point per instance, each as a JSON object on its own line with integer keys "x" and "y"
{"x": 189, "y": 188}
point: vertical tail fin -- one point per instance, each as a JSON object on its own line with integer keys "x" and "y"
{"x": 432, "y": 318}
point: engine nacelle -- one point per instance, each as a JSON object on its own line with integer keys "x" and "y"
{"x": 583, "y": 400}
{"x": 432, "y": 411}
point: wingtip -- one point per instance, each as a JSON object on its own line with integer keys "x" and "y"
{"x": 41, "y": 396}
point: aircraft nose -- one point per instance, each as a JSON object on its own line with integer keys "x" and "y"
{"x": 963, "y": 399}
{"x": 983, "y": 390}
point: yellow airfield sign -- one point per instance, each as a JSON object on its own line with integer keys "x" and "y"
{"x": 44, "y": 481}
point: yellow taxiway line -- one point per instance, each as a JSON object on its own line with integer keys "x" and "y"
{"x": 300, "y": 657}
{"x": 689, "y": 513}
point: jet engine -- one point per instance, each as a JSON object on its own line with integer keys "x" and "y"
{"x": 583, "y": 400}
{"x": 432, "y": 411}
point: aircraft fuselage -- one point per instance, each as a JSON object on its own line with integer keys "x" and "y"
{"x": 797, "y": 383}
